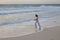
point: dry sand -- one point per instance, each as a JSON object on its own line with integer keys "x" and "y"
{"x": 48, "y": 34}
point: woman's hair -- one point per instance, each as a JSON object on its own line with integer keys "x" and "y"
{"x": 36, "y": 15}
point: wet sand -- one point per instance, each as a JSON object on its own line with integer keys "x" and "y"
{"x": 48, "y": 34}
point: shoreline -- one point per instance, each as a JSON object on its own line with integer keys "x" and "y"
{"x": 15, "y": 30}
{"x": 47, "y": 34}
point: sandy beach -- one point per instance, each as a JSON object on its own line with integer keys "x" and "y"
{"x": 48, "y": 34}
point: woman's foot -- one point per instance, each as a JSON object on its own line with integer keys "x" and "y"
{"x": 40, "y": 29}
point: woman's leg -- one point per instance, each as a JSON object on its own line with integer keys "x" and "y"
{"x": 39, "y": 25}
{"x": 35, "y": 26}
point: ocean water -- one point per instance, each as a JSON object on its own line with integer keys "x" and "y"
{"x": 47, "y": 11}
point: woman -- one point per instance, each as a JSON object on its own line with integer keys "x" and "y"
{"x": 37, "y": 22}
